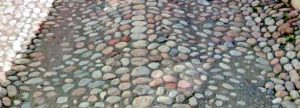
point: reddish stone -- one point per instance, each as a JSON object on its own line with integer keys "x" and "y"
{"x": 158, "y": 18}
{"x": 171, "y": 85}
{"x": 284, "y": 76}
{"x": 149, "y": 15}
{"x": 156, "y": 82}
{"x": 91, "y": 46}
{"x": 238, "y": 19}
{"x": 102, "y": 13}
{"x": 113, "y": 42}
{"x": 2, "y": 76}
{"x": 40, "y": 58}
{"x": 155, "y": 58}
{"x": 168, "y": 8}
{"x": 112, "y": 54}
{"x": 202, "y": 18}
{"x": 297, "y": 84}
{"x": 245, "y": 13}
{"x": 125, "y": 77}
{"x": 78, "y": 92}
{"x": 150, "y": 26}
{"x": 228, "y": 38}
{"x": 232, "y": 33}
{"x": 125, "y": 39}
{"x": 141, "y": 80}
{"x": 285, "y": 28}
{"x": 139, "y": 52}
{"x": 220, "y": 29}
{"x": 210, "y": 60}
{"x": 183, "y": 56}
{"x": 275, "y": 35}
{"x": 214, "y": 17}
{"x": 277, "y": 68}
{"x": 169, "y": 78}
{"x": 139, "y": 12}
{"x": 293, "y": 14}
{"x": 36, "y": 54}
{"x": 18, "y": 2}
{"x": 79, "y": 44}
{"x": 192, "y": 41}
{"x": 184, "y": 84}
{"x": 279, "y": 53}
{"x": 114, "y": 2}
{"x": 125, "y": 27}
{"x": 92, "y": 98}
{"x": 177, "y": 59}
{"x": 151, "y": 21}
{"x": 165, "y": 55}
{"x": 256, "y": 34}
{"x": 93, "y": 14}
{"x": 69, "y": 69}
{"x": 275, "y": 61}
{"x": 128, "y": 16}
{"x": 281, "y": 93}
{"x": 152, "y": 37}
{"x": 157, "y": 74}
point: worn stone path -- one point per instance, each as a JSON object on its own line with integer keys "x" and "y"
{"x": 146, "y": 53}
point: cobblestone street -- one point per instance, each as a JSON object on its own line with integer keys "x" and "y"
{"x": 155, "y": 54}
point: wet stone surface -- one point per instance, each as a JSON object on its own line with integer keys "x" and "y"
{"x": 154, "y": 53}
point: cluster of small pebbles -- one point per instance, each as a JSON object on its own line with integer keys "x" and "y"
{"x": 279, "y": 37}
{"x": 19, "y": 23}
{"x": 160, "y": 54}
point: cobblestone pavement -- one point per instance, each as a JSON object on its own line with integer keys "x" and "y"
{"x": 160, "y": 54}
{"x": 19, "y": 21}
